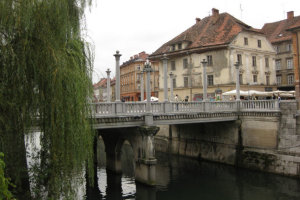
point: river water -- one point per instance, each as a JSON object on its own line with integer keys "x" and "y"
{"x": 185, "y": 178}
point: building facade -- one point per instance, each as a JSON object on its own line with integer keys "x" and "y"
{"x": 132, "y": 77}
{"x": 295, "y": 30}
{"x": 100, "y": 91}
{"x": 221, "y": 40}
{"x": 282, "y": 41}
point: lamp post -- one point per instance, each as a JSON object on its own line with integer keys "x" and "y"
{"x": 171, "y": 86}
{"x": 165, "y": 67}
{"x": 204, "y": 63}
{"x": 117, "y": 56}
{"x": 148, "y": 69}
{"x": 142, "y": 85}
{"x": 237, "y": 66}
{"x": 108, "y": 85}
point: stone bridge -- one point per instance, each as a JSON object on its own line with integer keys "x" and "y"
{"x": 137, "y": 123}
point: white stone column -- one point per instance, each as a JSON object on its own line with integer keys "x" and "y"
{"x": 204, "y": 63}
{"x": 171, "y": 86}
{"x": 108, "y": 85}
{"x": 165, "y": 68}
{"x": 142, "y": 85}
{"x": 237, "y": 66}
{"x": 117, "y": 90}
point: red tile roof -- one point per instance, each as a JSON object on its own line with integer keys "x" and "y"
{"x": 213, "y": 31}
{"x": 141, "y": 57}
{"x": 277, "y": 31}
{"x": 101, "y": 83}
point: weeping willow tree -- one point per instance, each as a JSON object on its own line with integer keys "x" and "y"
{"x": 45, "y": 83}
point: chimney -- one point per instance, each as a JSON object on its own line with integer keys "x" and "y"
{"x": 215, "y": 12}
{"x": 290, "y": 15}
{"x": 215, "y": 15}
{"x": 198, "y": 20}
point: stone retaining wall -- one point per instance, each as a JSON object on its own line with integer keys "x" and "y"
{"x": 270, "y": 143}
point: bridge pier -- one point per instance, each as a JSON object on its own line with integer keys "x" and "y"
{"x": 145, "y": 171}
{"x": 113, "y": 153}
{"x": 142, "y": 143}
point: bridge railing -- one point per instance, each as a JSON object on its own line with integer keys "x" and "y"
{"x": 260, "y": 105}
{"x": 133, "y": 108}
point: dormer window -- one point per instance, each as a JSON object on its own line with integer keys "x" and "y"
{"x": 179, "y": 46}
{"x": 173, "y": 47}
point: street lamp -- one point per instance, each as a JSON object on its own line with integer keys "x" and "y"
{"x": 148, "y": 69}
{"x": 108, "y": 85}
{"x": 171, "y": 86}
{"x": 204, "y": 63}
{"x": 237, "y": 66}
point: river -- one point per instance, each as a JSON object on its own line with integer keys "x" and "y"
{"x": 185, "y": 178}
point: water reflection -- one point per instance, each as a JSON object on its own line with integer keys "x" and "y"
{"x": 184, "y": 178}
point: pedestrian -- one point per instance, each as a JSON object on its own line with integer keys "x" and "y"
{"x": 176, "y": 100}
{"x": 176, "y": 97}
{"x": 186, "y": 99}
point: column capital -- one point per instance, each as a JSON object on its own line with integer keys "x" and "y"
{"x": 117, "y": 55}
{"x": 148, "y": 130}
{"x": 164, "y": 57}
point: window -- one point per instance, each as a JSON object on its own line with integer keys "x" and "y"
{"x": 174, "y": 83}
{"x": 290, "y": 79}
{"x": 267, "y": 62}
{"x": 259, "y": 43}
{"x": 241, "y": 79}
{"x": 289, "y": 63}
{"x": 239, "y": 58}
{"x": 245, "y": 41}
{"x": 254, "y": 78}
{"x": 267, "y": 80}
{"x": 186, "y": 81}
{"x": 278, "y": 64}
{"x": 185, "y": 63}
{"x": 254, "y": 61}
{"x": 173, "y": 47}
{"x": 288, "y": 47}
{"x": 210, "y": 80}
{"x": 209, "y": 60}
{"x": 277, "y": 49}
{"x": 179, "y": 46}
{"x": 173, "y": 66}
{"x": 278, "y": 80}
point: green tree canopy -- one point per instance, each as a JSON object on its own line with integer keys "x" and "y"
{"x": 45, "y": 83}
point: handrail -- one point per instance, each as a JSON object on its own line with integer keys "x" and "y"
{"x": 137, "y": 108}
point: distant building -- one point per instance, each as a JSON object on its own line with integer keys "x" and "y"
{"x": 295, "y": 29}
{"x": 100, "y": 92}
{"x": 221, "y": 40}
{"x": 281, "y": 39}
{"x": 130, "y": 78}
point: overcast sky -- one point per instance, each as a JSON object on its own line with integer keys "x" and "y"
{"x": 133, "y": 26}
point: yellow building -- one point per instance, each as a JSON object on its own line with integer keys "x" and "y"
{"x": 221, "y": 40}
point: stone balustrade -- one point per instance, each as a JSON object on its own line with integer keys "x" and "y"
{"x": 137, "y": 108}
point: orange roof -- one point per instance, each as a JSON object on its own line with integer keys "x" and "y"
{"x": 101, "y": 83}
{"x": 141, "y": 57}
{"x": 277, "y": 31}
{"x": 212, "y": 31}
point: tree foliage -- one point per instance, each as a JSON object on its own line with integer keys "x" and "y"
{"x": 4, "y": 182}
{"x": 45, "y": 83}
